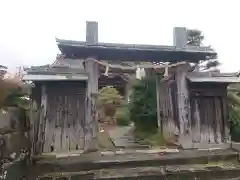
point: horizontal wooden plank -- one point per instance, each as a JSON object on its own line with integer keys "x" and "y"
{"x": 207, "y": 92}
{"x": 11, "y": 130}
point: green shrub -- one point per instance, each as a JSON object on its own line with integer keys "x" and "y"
{"x": 108, "y": 99}
{"x": 143, "y": 104}
{"x": 123, "y": 116}
{"x": 234, "y": 119}
{"x": 109, "y": 95}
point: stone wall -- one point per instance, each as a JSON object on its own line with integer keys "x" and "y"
{"x": 69, "y": 177}
{"x": 14, "y": 143}
{"x": 13, "y": 133}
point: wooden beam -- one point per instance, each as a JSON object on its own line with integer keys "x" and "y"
{"x": 91, "y": 122}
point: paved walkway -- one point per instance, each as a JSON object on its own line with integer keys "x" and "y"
{"x": 123, "y": 138}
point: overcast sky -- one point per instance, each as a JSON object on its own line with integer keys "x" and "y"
{"x": 28, "y": 27}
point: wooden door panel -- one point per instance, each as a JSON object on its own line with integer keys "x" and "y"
{"x": 210, "y": 118}
{"x": 65, "y": 120}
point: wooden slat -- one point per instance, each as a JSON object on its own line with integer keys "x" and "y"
{"x": 206, "y": 93}
{"x": 225, "y": 120}
{"x": 195, "y": 120}
{"x": 57, "y": 141}
{"x": 175, "y": 102}
{"x": 81, "y": 122}
{"x": 76, "y": 103}
{"x": 64, "y": 140}
{"x": 219, "y": 121}
{"x": 71, "y": 123}
{"x": 204, "y": 123}
{"x": 211, "y": 120}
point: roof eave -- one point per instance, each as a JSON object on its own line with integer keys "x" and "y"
{"x": 213, "y": 77}
{"x": 131, "y": 52}
{"x": 147, "y": 47}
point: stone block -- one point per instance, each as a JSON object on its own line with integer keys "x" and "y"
{"x": 45, "y": 178}
{"x": 62, "y": 178}
{"x": 82, "y": 176}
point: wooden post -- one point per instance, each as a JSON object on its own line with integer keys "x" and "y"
{"x": 227, "y": 136}
{"x": 180, "y": 41}
{"x": 180, "y": 37}
{"x": 42, "y": 121}
{"x": 31, "y": 123}
{"x": 158, "y": 105}
{"x": 91, "y": 122}
{"x": 183, "y": 107}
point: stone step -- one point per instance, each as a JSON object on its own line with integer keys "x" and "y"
{"x": 185, "y": 172}
{"x": 81, "y": 163}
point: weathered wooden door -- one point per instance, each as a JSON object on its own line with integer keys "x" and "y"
{"x": 65, "y": 118}
{"x": 207, "y": 120}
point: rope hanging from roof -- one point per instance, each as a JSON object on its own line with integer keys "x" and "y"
{"x": 106, "y": 71}
{"x": 166, "y": 71}
{"x": 139, "y": 69}
{"x": 140, "y": 73}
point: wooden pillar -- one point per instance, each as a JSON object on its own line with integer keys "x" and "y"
{"x": 91, "y": 122}
{"x": 158, "y": 104}
{"x": 180, "y": 37}
{"x": 34, "y": 118}
{"x": 42, "y": 120}
{"x": 185, "y": 137}
{"x": 227, "y": 136}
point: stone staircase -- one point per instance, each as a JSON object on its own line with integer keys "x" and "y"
{"x": 191, "y": 164}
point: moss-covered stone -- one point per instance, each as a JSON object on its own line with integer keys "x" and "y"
{"x": 62, "y": 178}
{"x": 16, "y": 169}
{"x": 45, "y": 178}
{"x": 82, "y": 176}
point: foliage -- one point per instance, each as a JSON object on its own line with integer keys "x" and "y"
{"x": 195, "y": 37}
{"x": 108, "y": 95}
{"x": 234, "y": 110}
{"x": 109, "y": 98}
{"x": 123, "y": 116}
{"x": 17, "y": 100}
{"x": 11, "y": 92}
{"x": 234, "y": 102}
{"x": 143, "y": 104}
{"x": 234, "y": 116}
{"x": 212, "y": 63}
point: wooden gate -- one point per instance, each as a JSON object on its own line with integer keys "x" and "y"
{"x": 168, "y": 106}
{"x": 65, "y": 118}
{"x": 207, "y": 120}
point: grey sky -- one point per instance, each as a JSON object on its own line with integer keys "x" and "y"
{"x": 29, "y": 27}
